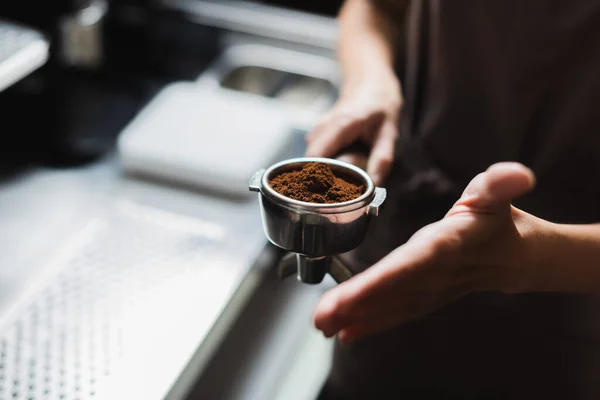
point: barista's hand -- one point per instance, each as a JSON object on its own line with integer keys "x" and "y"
{"x": 483, "y": 243}
{"x": 367, "y": 112}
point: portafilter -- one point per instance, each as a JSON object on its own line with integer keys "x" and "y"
{"x": 316, "y": 234}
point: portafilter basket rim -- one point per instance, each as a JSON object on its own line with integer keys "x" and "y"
{"x": 345, "y": 206}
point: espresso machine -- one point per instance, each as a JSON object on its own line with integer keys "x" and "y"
{"x": 106, "y": 59}
{"x": 316, "y": 234}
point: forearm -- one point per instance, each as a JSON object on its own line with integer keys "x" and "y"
{"x": 567, "y": 258}
{"x": 369, "y": 36}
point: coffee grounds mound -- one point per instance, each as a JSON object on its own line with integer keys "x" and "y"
{"x": 315, "y": 183}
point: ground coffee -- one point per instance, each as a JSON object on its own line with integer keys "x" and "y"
{"x": 315, "y": 183}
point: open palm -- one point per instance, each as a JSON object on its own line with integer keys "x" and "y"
{"x": 478, "y": 245}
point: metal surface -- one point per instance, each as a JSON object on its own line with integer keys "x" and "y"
{"x": 312, "y": 270}
{"x": 378, "y": 200}
{"x": 270, "y": 57}
{"x": 338, "y": 270}
{"x": 303, "y": 91}
{"x": 22, "y": 51}
{"x": 256, "y": 80}
{"x": 315, "y": 233}
{"x": 81, "y": 35}
{"x": 119, "y": 288}
{"x": 123, "y": 289}
{"x": 289, "y": 88}
{"x": 261, "y": 20}
{"x": 127, "y": 272}
{"x": 273, "y": 351}
{"x": 290, "y": 63}
{"x": 315, "y": 229}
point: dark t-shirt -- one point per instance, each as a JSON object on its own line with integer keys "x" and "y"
{"x": 487, "y": 81}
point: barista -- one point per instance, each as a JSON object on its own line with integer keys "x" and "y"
{"x": 466, "y": 295}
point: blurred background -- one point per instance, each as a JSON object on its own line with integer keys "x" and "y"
{"x": 134, "y": 265}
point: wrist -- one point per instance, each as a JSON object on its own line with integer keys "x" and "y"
{"x": 566, "y": 259}
{"x": 379, "y": 82}
{"x": 371, "y": 73}
{"x": 522, "y": 254}
{"x": 539, "y": 237}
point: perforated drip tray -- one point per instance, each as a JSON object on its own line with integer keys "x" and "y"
{"x": 129, "y": 302}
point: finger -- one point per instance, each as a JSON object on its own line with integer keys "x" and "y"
{"x": 341, "y": 305}
{"x": 494, "y": 190}
{"x": 385, "y": 320}
{"x": 382, "y": 152}
{"x": 334, "y": 136}
{"x": 359, "y": 160}
{"x": 319, "y": 126}
{"x": 407, "y": 299}
{"x": 401, "y": 312}
{"x": 335, "y": 308}
{"x": 353, "y": 333}
{"x": 344, "y": 305}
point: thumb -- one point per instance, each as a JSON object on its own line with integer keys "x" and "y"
{"x": 493, "y": 190}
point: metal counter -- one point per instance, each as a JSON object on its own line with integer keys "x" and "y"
{"x": 117, "y": 289}
{"x": 113, "y": 288}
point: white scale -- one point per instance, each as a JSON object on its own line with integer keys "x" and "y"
{"x": 212, "y": 138}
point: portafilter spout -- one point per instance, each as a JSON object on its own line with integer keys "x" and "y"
{"x": 312, "y": 270}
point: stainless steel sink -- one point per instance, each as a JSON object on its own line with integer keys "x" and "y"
{"x": 289, "y": 88}
{"x": 300, "y": 84}
{"x": 256, "y": 80}
{"x": 304, "y": 91}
